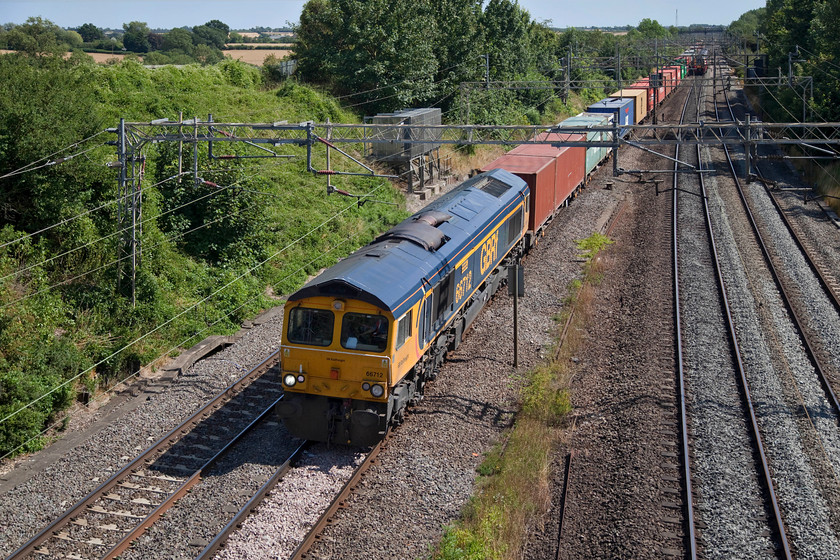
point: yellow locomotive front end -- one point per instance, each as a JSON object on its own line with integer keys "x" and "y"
{"x": 336, "y": 370}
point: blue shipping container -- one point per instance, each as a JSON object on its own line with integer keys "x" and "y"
{"x": 624, "y": 108}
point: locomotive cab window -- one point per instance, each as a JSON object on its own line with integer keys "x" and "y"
{"x": 311, "y": 326}
{"x": 360, "y": 331}
{"x": 443, "y": 298}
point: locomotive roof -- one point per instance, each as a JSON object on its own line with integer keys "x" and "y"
{"x": 390, "y": 272}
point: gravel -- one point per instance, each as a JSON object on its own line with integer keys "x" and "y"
{"x": 424, "y": 478}
{"x": 434, "y": 454}
{"x": 781, "y": 380}
{"x": 621, "y": 498}
{"x": 729, "y": 503}
{"x": 131, "y": 427}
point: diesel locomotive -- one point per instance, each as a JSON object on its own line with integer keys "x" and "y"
{"x": 361, "y": 340}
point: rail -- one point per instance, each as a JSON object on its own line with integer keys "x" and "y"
{"x": 767, "y": 477}
{"x": 145, "y": 458}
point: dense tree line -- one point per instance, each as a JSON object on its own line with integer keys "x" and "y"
{"x": 202, "y": 43}
{"x": 383, "y": 55}
{"x": 804, "y": 34}
{"x": 387, "y": 55}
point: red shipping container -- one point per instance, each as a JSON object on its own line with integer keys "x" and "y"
{"x": 539, "y": 172}
{"x": 670, "y": 78}
{"x": 677, "y": 74}
{"x": 571, "y": 166}
{"x": 552, "y": 173}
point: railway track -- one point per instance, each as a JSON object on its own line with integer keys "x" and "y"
{"x": 735, "y": 487}
{"x": 301, "y": 552}
{"x": 235, "y": 524}
{"x": 113, "y": 516}
{"x": 689, "y": 525}
{"x": 827, "y": 277}
{"x": 790, "y": 294}
{"x": 795, "y": 415}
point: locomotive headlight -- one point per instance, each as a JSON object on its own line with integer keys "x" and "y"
{"x": 301, "y": 379}
{"x": 365, "y": 386}
{"x": 377, "y": 391}
{"x": 289, "y": 379}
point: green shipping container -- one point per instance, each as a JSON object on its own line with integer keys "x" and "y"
{"x": 594, "y": 156}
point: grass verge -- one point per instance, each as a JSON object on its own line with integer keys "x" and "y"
{"x": 513, "y": 487}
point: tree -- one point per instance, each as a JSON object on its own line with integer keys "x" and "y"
{"x": 788, "y": 24}
{"x": 155, "y": 41}
{"x": 211, "y": 36}
{"x": 507, "y": 29}
{"x": 546, "y": 46}
{"x": 206, "y": 54}
{"x": 652, "y": 29}
{"x": 178, "y": 40}
{"x": 379, "y": 49}
{"x": 136, "y": 36}
{"x": 220, "y": 26}
{"x": 459, "y": 45}
{"x": 37, "y": 116}
{"x": 824, "y": 26}
{"x": 90, "y": 33}
{"x": 36, "y": 38}
{"x": 749, "y": 23}
{"x": 319, "y": 36}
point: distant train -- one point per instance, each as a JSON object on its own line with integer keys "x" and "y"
{"x": 362, "y": 339}
{"x": 696, "y": 59}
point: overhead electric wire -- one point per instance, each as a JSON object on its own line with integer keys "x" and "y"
{"x": 110, "y": 235}
{"x": 27, "y": 167}
{"x": 104, "y": 205}
{"x": 50, "y": 163}
{"x": 181, "y": 344}
{"x": 240, "y": 306}
{"x": 183, "y": 312}
{"x": 354, "y": 94}
{"x": 86, "y": 212}
{"x": 169, "y": 239}
{"x": 816, "y": 55}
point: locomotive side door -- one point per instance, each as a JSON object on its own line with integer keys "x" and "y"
{"x": 423, "y": 323}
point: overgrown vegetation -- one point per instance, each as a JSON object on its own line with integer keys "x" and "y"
{"x": 514, "y": 490}
{"x": 211, "y": 255}
{"x": 217, "y": 250}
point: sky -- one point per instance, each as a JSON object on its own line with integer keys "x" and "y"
{"x": 244, "y": 14}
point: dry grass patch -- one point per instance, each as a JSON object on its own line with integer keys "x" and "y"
{"x": 255, "y": 56}
{"x": 514, "y": 489}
